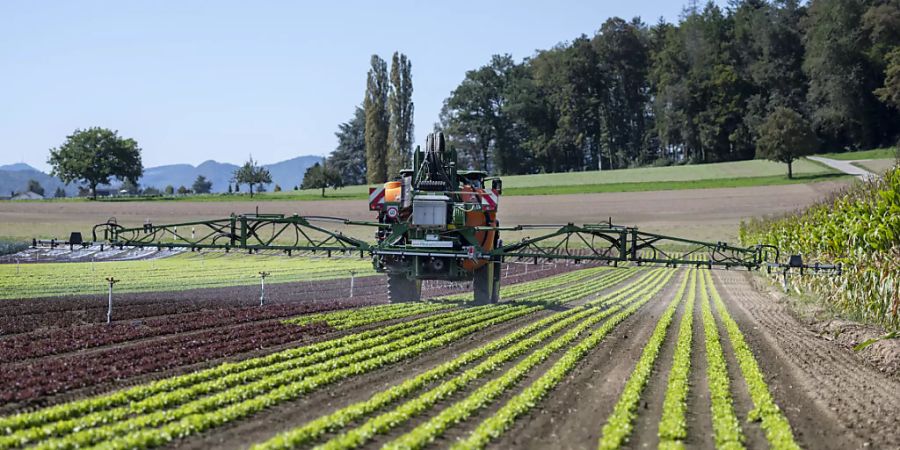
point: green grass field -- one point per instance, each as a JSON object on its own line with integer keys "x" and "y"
{"x": 696, "y": 176}
{"x": 176, "y": 273}
{"x": 876, "y": 165}
{"x": 878, "y": 153}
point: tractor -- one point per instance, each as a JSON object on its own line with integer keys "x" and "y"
{"x": 437, "y": 222}
{"x": 432, "y": 206}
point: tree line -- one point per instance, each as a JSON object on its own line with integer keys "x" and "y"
{"x": 377, "y": 141}
{"x": 701, "y": 90}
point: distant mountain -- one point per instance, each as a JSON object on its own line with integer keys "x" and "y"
{"x": 285, "y": 173}
{"x": 17, "y": 167}
{"x": 14, "y": 177}
{"x": 290, "y": 173}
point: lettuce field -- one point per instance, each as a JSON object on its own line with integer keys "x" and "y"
{"x": 573, "y": 357}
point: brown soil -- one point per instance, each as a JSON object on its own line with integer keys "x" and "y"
{"x": 831, "y": 397}
{"x": 698, "y": 213}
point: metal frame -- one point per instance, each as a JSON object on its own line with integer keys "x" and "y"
{"x": 590, "y": 242}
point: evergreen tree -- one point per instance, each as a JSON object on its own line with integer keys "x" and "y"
{"x": 400, "y": 106}
{"x": 841, "y": 84}
{"x": 35, "y": 186}
{"x": 202, "y": 185}
{"x": 60, "y": 193}
{"x": 375, "y": 106}
{"x": 349, "y": 158}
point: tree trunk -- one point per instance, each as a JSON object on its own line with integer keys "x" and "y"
{"x": 323, "y": 190}
{"x": 93, "y": 191}
{"x": 251, "y": 190}
{"x": 790, "y": 170}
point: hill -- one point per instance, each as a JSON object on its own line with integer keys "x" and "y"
{"x": 14, "y": 178}
{"x": 289, "y": 173}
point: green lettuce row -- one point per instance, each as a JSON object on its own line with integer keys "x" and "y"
{"x": 673, "y": 425}
{"x": 778, "y": 430}
{"x": 354, "y": 317}
{"x": 494, "y": 426}
{"x": 726, "y": 428}
{"x": 404, "y": 412}
{"x": 126, "y": 419}
{"x": 340, "y": 418}
{"x": 620, "y": 423}
{"x": 315, "y": 352}
{"x": 198, "y": 422}
{"x": 532, "y": 286}
{"x": 235, "y": 376}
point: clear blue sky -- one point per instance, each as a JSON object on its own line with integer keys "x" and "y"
{"x": 192, "y": 81}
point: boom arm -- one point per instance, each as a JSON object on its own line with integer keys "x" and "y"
{"x": 590, "y": 242}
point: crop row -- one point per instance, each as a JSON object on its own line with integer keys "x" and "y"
{"x": 858, "y": 228}
{"x": 620, "y": 423}
{"x": 273, "y": 378}
{"x": 310, "y": 364}
{"x": 340, "y": 418}
{"x": 511, "y": 291}
{"x": 528, "y": 398}
{"x": 490, "y": 391}
{"x": 175, "y": 273}
{"x": 349, "y": 318}
{"x": 726, "y": 427}
{"x": 777, "y": 429}
{"x": 55, "y": 341}
{"x": 673, "y": 423}
{"x": 30, "y": 380}
{"x": 588, "y": 315}
{"x": 348, "y": 360}
{"x": 199, "y": 415}
{"x": 325, "y": 349}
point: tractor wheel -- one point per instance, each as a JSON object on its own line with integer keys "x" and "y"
{"x": 402, "y": 289}
{"x": 487, "y": 284}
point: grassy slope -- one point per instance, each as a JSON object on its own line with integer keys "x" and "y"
{"x": 878, "y": 153}
{"x": 728, "y": 174}
{"x": 876, "y": 165}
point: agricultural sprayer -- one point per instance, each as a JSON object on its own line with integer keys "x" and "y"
{"x": 437, "y": 222}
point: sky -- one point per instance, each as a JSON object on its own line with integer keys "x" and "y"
{"x": 193, "y": 81}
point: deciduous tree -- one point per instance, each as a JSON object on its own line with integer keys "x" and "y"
{"x": 785, "y": 136}
{"x": 94, "y": 156}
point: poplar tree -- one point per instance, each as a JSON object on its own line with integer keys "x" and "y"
{"x": 375, "y": 106}
{"x": 400, "y": 105}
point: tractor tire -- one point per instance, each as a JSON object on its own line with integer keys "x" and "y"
{"x": 487, "y": 284}
{"x": 402, "y": 289}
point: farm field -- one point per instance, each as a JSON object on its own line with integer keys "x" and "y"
{"x": 694, "y": 176}
{"x": 878, "y": 153}
{"x": 597, "y": 357}
{"x": 698, "y": 213}
{"x": 877, "y": 166}
{"x": 179, "y": 272}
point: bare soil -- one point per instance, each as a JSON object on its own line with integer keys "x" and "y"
{"x": 696, "y": 213}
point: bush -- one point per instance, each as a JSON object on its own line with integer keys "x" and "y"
{"x": 10, "y": 247}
